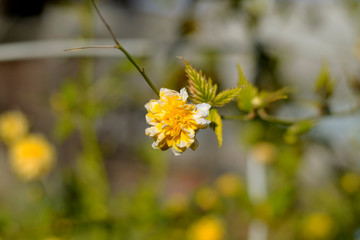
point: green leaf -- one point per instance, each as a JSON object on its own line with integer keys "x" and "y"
{"x": 216, "y": 124}
{"x": 225, "y": 97}
{"x": 249, "y": 92}
{"x": 64, "y": 128}
{"x": 201, "y": 89}
{"x": 270, "y": 97}
{"x": 299, "y": 128}
{"x": 324, "y": 85}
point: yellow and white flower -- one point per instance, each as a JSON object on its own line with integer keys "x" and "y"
{"x": 174, "y": 122}
{"x": 32, "y": 157}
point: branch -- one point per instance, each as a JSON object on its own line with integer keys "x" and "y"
{"x": 127, "y": 54}
{"x": 247, "y": 117}
{"x": 87, "y": 47}
{"x": 273, "y": 119}
{"x": 105, "y": 23}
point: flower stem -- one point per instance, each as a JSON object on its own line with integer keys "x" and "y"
{"x": 247, "y": 117}
{"x": 88, "y": 47}
{"x": 269, "y": 118}
{"x": 127, "y": 54}
{"x": 140, "y": 69}
{"x": 262, "y": 114}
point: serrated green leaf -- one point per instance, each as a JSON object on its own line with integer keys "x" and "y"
{"x": 248, "y": 93}
{"x": 201, "y": 89}
{"x": 225, "y": 97}
{"x": 324, "y": 85}
{"x": 216, "y": 124}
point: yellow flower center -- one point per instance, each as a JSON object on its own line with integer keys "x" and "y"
{"x": 178, "y": 116}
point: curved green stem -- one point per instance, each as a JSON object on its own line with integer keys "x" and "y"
{"x": 127, "y": 54}
{"x": 247, "y": 117}
{"x": 269, "y": 118}
{"x": 140, "y": 69}
{"x": 265, "y": 116}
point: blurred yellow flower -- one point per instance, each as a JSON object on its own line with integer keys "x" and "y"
{"x": 229, "y": 185}
{"x": 32, "y": 157}
{"x": 207, "y": 228}
{"x": 176, "y": 204}
{"x": 206, "y": 198}
{"x": 13, "y": 126}
{"x": 264, "y": 152}
{"x": 350, "y": 182}
{"x": 318, "y": 226}
{"x": 174, "y": 122}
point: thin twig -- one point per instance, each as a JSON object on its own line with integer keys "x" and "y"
{"x": 127, "y": 54}
{"x": 88, "y": 47}
{"x": 105, "y": 23}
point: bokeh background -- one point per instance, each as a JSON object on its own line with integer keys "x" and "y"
{"x": 108, "y": 183}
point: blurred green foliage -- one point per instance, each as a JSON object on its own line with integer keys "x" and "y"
{"x": 300, "y": 203}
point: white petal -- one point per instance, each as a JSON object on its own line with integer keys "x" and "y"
{"x": 151, "y": 131}
{"x": 190, "y": 132}
{"x": 150, "y": 106}
{"x": 181, "y": 144}
{"x": 202, "y": 121}
{"x": 176, "y": 152}
{"x": 155, "y": 145}
{"x": 164, "y": 92}
{"x": 147, "y": 106}
{"x": 149, "y": 120}
{"x": 190, "y": 142}
{"x": 161, "y": 137}
{"x": 184, "y": 94}
{"x": 201, "y": 112}
{"x": 202, "y": 109}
